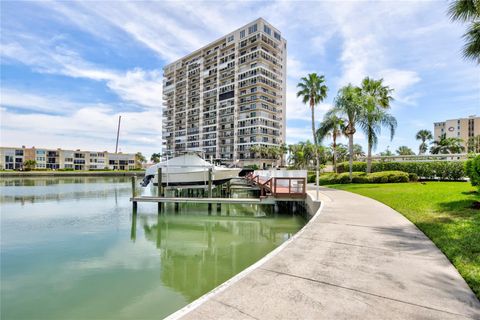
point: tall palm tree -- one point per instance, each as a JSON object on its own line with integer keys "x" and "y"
{"x": 468, "y": 11}
{"x": 348, "y": 103}
{"x": 423, "y": 135}
{"x": 376, "y": 97}
{"x": 333, "y": 126}
{"x": 447, "y": 146}
{"x": 371, "y": 122}
{"x": 313, "y": 91}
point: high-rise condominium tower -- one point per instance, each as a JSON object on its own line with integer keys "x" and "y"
{"x": 228, "y": 96}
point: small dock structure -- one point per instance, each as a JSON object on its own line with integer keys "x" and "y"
{"x": 280, "y": 184}
{"x": 274, "y": 185}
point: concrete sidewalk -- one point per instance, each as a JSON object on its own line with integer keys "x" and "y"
{"x": 358, "y": 259}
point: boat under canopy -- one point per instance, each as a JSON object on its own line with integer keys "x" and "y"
{"x": 188, "y": 169}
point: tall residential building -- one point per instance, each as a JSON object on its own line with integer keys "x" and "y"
{"x": 228, "y": 96}
{"x": 463, "y": 128}
{"x": 54, "y": 159}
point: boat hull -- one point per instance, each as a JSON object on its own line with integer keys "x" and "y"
{"x": 199, "y": 177}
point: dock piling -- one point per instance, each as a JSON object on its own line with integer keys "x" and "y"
{"x": 134, "y": 193}
{"x": 210, "y": 182}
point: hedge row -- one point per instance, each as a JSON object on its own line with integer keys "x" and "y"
{"x": 444, "y": 170}
{"x": 472, "y": 167}
{"x": 362, "y": 177}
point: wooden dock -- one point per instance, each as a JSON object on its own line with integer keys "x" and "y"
{"x": 272, "y": 190}
{"x": 262, "y": 200}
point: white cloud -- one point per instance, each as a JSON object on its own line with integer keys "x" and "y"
{"x": 88, "y": 127}
{"x": 143, "y": 87}
{"x": 23, "y": 100}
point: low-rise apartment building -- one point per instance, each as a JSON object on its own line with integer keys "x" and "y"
{"x": 54, "y": 159}
{"x": 463, "y": 128}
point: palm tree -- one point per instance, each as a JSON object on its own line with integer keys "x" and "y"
{"x": 371, "y": 123}
{"x": 313, "y": 91}
{"x": 447, "y": 146}
{"x": 348, "y": 103}
{"x": 155, "y": 157}
{"x": 468, "y": 11}
{"x": 423, "y": 135}
{"x": 283, "y": 151}
{"x": 139, "y": 160}
{"x": 377, "y": 97}
{"x": 332, "y": 126}
{"x": 405, "y": 151}
{"x": 255, "y": 149}
{"x": 357, "y": 151}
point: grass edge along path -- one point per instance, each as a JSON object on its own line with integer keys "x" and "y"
{"x": 442, "y": 211}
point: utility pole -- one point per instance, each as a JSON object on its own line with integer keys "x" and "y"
{"x": 118, "y": 133}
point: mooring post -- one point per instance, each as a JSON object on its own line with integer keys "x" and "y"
{"x": 133, "y": 230}
{"x": 134, "y": 194}
{"x": 210, "y": 182}
{"x": 134, "y": 185}
{"x": 219, "y": 208}
{"x": 159, "y": 180}
{"x": 159, "y": 188}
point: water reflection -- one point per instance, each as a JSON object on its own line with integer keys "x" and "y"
{"x": 72, "y": 249}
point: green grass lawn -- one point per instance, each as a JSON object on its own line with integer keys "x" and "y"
{"x": 442, "y": 210}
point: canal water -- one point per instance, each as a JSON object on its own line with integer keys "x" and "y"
{"x": 71, "y": 249}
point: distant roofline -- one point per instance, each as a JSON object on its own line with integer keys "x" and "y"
{"x": 260, "y": 19}
{"x": 474, "y": 116}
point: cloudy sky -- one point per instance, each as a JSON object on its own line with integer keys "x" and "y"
{"x": 68, "y": 69}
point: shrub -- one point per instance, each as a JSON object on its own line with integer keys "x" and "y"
{"x": 413, "y": 177}
{"x": 472, "y": 168}
{"x": 445, "y": 170}
{"x": 362, "y": 177}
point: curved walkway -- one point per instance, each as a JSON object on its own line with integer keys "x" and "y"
{"x": 358, "y": 259}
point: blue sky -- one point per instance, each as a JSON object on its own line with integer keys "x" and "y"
{"x": 68, "y": 69}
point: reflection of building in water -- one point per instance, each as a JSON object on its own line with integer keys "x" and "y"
{"x": 199, "y": 253}
{"x": 55, "y": 189}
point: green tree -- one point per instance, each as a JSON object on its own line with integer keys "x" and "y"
{"x": 155, "y": 157}
{"x": 332, "y": 126}
{"x": 405, "y": 151}
{"x": 423, "y": 135}
{"x": 377, "y": 97}
{"x": 348, "y": 103}
{"x": 357, "y": 152}
{"x": 302, "y": 155}
{"x": 342, "y": 152}
{"x": 283, "y": 151}
{"x": 386, "y": 153}
{"x": 371, "y": 123}
{"x": 447, "y": 146}
{"x": 472, "y": 169}
{"x": 468, "y": 11}
{"x": 139, "y": 160}
{"x": 313, "y": 91}
{"x": 29, "y": 165}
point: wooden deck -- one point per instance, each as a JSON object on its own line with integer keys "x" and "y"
{"x": 280, "y": 187}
